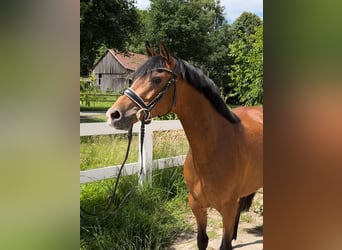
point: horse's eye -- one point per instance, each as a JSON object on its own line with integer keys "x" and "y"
{"x": 156, "y": 80}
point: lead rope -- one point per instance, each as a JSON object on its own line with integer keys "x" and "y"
{"x": 142, "y": 136}
{"x": 111, "y": 198}
{"x": 113, "y": 193}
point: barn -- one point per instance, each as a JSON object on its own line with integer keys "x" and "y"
{"x": 113, "y": 69}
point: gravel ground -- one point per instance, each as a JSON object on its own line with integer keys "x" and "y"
{"x": 250, "y": 234}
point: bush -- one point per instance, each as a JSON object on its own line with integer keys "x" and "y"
{"x": 88, "y": 91}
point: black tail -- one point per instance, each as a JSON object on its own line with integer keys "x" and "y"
{"x": 244, "y": 205}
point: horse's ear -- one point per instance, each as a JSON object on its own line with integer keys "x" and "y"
{"x": 149, "y": 50}
{"x": 163, "y": 51}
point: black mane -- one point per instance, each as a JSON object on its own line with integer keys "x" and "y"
{"x": 197, "y": 79}
{"x": 208, "y": 88}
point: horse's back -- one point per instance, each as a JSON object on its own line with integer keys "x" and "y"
{"x": 252, "y": 127}
{"x": 253, "y": 114}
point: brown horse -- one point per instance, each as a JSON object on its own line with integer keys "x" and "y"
{"x": 223, "y": 168}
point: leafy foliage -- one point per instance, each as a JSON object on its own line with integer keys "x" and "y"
{"x": 88, "y": 90}
{"x": 105, "y": 23}
{"x": 185, "y": 26}
{"x": 218, "y": 62}
{"x": 247, "y": 70}
{"x": 245, "y": 24}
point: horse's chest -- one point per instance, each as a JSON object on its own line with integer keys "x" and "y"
{"x": 214, "y": 178}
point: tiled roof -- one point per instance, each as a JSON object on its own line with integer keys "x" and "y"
{"x": 129, "y": 60}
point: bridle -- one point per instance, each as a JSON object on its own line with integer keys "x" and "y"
{"x": 146, "y": 108}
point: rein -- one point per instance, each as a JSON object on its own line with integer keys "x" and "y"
{"x": 146, "y": 108}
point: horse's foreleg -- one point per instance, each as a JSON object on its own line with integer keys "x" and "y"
{"x": 236, "y": 224}
{"x": 201, "y": 219}
{"x": 244, "y": 205}
{"x": 228, "y": 212}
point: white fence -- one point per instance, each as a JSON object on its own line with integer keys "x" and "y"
{"x": 103, "y": 128}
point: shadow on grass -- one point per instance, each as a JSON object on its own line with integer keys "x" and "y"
{"x": 88, "y": 119}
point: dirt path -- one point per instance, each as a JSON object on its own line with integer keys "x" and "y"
{"x": 249, "y": 234}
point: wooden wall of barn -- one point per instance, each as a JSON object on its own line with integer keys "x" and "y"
{"x": 114, "y": 82}
{"x": 110, "y": 74}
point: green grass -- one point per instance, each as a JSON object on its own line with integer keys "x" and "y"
{"x": 153, "y": 215}
{"x": 97, "y": 106}
{"x": 212, "y": 234}
{"x": 169, "y": 143}
{"x": 99, "y": 102}
{"x": 109, "y": 150}
{"x": 92, "y": 118}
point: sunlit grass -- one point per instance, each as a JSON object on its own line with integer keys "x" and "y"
{"x": 109, "y": 150}
{"x": 153, "y": 215}
{"x": 106, "y": 150}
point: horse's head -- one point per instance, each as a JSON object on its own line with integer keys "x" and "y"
{"x": 153, "y": 92}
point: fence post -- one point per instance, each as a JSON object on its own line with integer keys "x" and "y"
{"x": 147, "y": 155}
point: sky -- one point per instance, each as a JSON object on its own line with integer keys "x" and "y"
{"x": 233, "y": 8}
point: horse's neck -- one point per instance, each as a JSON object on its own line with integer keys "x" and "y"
{"x": 205, "y": 128}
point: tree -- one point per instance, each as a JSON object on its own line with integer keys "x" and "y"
{"x": 218, "y": 61}
{"x": 247, "y": 70}
{"x": 245, "y": 24}
{"x": 104, "y": 23}
{"x": 185, "y": 26}
{"x": 138, "y": 39}
{"x": 193, "y": 30}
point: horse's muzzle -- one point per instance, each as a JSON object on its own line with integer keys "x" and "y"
{"x": 120, "y": 120}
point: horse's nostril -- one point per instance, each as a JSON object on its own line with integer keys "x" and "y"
{"x": 115, "y": 115}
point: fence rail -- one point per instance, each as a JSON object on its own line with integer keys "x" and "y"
{"x": 102, "y": 128}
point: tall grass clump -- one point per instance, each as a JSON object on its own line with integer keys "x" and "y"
{"x": 153, "y": 214}
{"x": 106, "y": 150}
{"x": 169, "y": 143}
{"x": 150, "y": 218}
